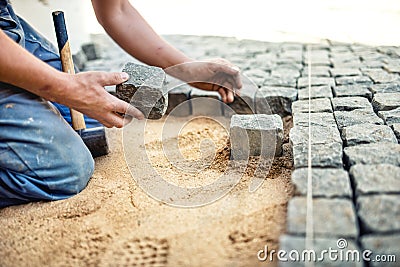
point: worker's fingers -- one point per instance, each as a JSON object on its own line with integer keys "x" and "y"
{"x": 125, "y": 108}
{"x": 224, "y": 66}
{"x": 222, "y": 92}
{"x": 112, "y": 78}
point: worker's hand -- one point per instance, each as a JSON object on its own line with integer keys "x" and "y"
{"x": 211, "y": 75}
{"x": 85, "y": 93}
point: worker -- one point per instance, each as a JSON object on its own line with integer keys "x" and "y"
{"x": 41, "y": 156}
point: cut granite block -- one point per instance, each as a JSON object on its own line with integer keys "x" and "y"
{"x": 316, "y": 92}
{"x": 367, "y": 133}
{"x": 177, "y": 96}
{"x": 379, "y": 213}
{"x": 315, "y": 81}
{"x": 79, "y": 60}
{"x": 317, "y": 71}
{"x": 92, "y": 51}
{"x": 375, "y": 179}
{"x": 350, "y": 103}
{"x": 206, "y": 103}
{"x": 357, "y": 116}
{"x": 382, "y": 245}
{"x": 381, "y": 76}
{"x": 289, "y": 243}
{"x": 145, "y": 90}
{"x": 285, "y": 73}
{"x": 327, "y": 182}
{"x": 386, "y": 101}
{"x": 375, "y": 153}
{"x": 332, "y": 217}
{"x": 280, "y": 81}
{"x": 319, "y": 135}
{"x": 396, "y": 130}
{"x": 391, "y": 116}
{"x": 323, "y": 119}
{"x": 339, "y": 72}
{"x": 385, "y": 88}
{"x": 352, "y": 90}
{"x": 256, "y": 135}
{"x": 392, "y": 68}
{"x": 322, "y": 155}
{"x": 275, "y": 100}
{"x": 245, "y": 103}
{"x": 317, "y": 105}
{"x": 348, "y": 80}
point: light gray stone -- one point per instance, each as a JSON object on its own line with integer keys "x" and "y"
{"x": 385, "y": 88}
{"x": 381, "y": 76}
{"x": 387, "y": 245}
{"x": 315, "y": 81}
{"x": 367, "y": 133}
{"x": 317, "y": 71}
{"x": 206, "y": 103}
{"x": 317, "y": 105}
{"x": 348, "y": 80}
{"x": 386, "y": 101}
{"x": 322, "y": 155}
{"x": 323, "y": 119}
{"x": 375, "y": 153}
{"x": 256, "y": 135}
{"x": 391, "y": 116}
{"x": 379, "y": 213}
{"x": 350, "y": 103}
{"x": 332, "y": 217}
{"x": 145, "y": 90}
{"x": 396, "y": 130}
{"x": 280, "y": 81}
{"x": 316, "y": 92}
{"x": 275, "y": 100}
{"x": 392, "y": 68}
{"x": 379, "y": 178}
{"x": 357, "y": 116}
{"x": 319, "y": 135}
{"x": 352, "y": 90}
{"x": 339, "y": 72}
{"x": 285, "y": 73}
{"x": 326, "y": 182}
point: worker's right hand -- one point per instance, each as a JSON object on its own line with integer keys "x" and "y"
{"x": 85, "y": 92}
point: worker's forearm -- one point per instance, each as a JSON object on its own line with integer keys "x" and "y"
{"x": 127, "y": 27}
{"x": 20, "y": 68}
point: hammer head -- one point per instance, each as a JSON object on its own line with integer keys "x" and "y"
{"x": 96, "y": 141}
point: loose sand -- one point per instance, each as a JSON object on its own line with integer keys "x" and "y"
{"x": 115, "y": 223}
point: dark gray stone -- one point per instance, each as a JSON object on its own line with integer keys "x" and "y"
{"x": 326, "y": 182}
{"x": 339, "y": 72}
{"x": 387, "y": 245}
{"x": 386, "y": 101}
{"x": 350, "y": 103}
{"x": 317, "y": 105}
{"x": 367, "y": 133}
{"x": 322, "y": 155}
{"x": 245, "y": 103}
{"x": 385, "y": 88}
{"x": 206, "y": 103}
{"x": 381, "y": 76}
{"x": 332, "y": 217}
{"x": 289, "y": 243}
{"x": 145, "y": 90}
{"x": 315, "y": 81}
{"x": 275, "y": 100}
{"x": 79, "y": 59}
{"x": 357, "y": 116}
{"x": 396, "y": 130}
{"x": 379, "y": 213}
{"x": 352, "y": 90}
{"x": 375, "y": 153}
{"x": 323, "y": 119}
{"x": 177, "y": 96}
{"x": 319, "y": 135}
{"x": 256, "y": 135}
{"x": 380, "y": 178}
{"x": 316, "y": 92}
{"x": 391, "y": 116}
{"x": 347, "y": 80}
{"x": 92, "y": 51}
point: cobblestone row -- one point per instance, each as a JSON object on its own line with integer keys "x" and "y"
{"x": 355, "y": 129}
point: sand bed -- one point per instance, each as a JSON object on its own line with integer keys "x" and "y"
{"x": 115, "y": 223}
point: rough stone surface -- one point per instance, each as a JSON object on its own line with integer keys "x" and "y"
{"x": 396, "y": 130}
{"x": 339, "y": 72}
{"x": 350, "y": 103}
{"x": 332, "y": 217}
{"x": 319, "y": 135}
{"x": 367, "y": 133}
{"x": 323, "y": 119}
{"x": 322, "y": 155}
{"x": 326, "y": 182}
{"x": 275, "y": 100}
{"x": 317, "y": 71}
{"x": 177, "y": 96}
{"x": 382, "y": 245}
{"x": 375, "y": 153}
{"x": 290, "y": 243}
{"x": 386, "y": 101}
{"x": 254, "y": 135}
{"x": 352, "y": 90}
{"x": 380, "y": 178}
{"x": 357, "y": 116}
{"x": 381, "y": 76}
{"x": 391, "y": 116}
{"x": 348, "y": 80}
{"x": 317, "y": 105}
{"x": 280, "y": 81}
{"x": 315, "y": 81}
{"x": 385, "y": 88}
{"x": 316, "y": 92}
{"x": 379, "y": 213}
{"x": 145, "y": 90}
{"x": 206, "y": 103}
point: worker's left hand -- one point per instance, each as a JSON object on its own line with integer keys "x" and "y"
{"x": 212, "y": 75}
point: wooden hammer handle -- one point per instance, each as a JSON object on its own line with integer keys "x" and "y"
{"x": 78, "y": 121}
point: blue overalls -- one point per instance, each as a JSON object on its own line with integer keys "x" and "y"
{"x": 41, "y": 156}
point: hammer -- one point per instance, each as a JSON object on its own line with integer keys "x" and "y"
{"x": 94, "y": 138}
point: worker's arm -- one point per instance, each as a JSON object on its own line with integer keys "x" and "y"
{"x": 83, "y": 92}
{"x": 128, "y": 28}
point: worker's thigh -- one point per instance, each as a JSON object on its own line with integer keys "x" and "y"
{"x": 41, "y": 157}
